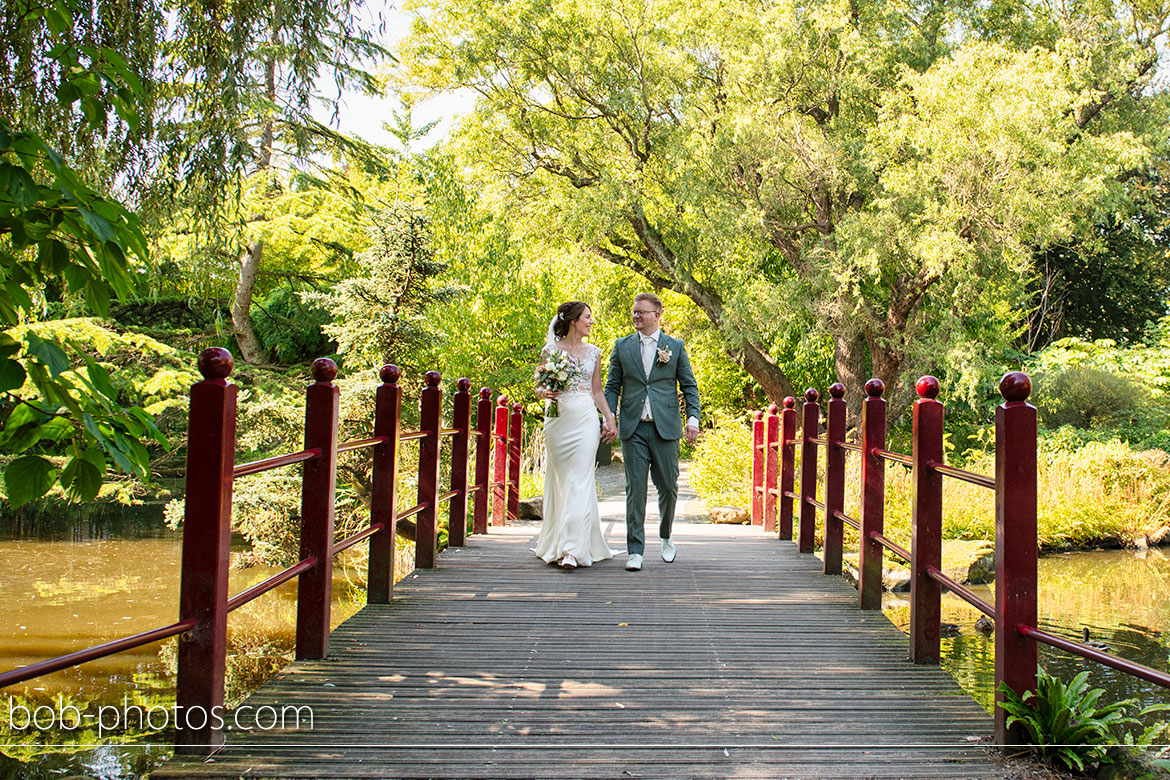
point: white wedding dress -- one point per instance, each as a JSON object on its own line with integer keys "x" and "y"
{"x": 572, "y": 522}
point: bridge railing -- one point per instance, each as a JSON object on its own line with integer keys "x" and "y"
{"x": 775, "y": 505}
{"x": 204, "y": 602}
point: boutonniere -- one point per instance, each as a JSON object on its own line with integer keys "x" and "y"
{"x": 664, "y": 355}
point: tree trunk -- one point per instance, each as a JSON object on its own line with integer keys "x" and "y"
{"x": 250, "y": 348}
{"x": 849, "y": 364}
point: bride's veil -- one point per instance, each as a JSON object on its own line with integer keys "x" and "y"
{"x": 550, "y": 339}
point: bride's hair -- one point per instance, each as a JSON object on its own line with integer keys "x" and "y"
{"x": 566, "y": 314}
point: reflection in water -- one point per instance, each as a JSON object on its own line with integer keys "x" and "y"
{"x": 62, "y": 596}
{"x": 1119, "y": 595}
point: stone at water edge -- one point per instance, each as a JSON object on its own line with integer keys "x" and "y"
{"x": 531, "y": 508}
{"x": 729, "y": 515}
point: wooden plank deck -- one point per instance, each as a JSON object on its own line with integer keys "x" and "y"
{"x": 739, "y": 660}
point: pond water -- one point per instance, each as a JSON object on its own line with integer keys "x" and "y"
{"x": 1121, "y": 596}
{"x": 89, "y": 584}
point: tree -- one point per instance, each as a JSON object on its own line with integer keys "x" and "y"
{"x": 879, "y": 170}
{"x": 1112, "y": 284}
{"x": 246, "y": 76}
{"x": 55, "y": 231}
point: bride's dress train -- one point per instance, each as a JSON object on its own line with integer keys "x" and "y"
{"x": 572, "y": 521}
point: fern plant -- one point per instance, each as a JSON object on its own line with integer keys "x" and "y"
{"x": 1068, "y": 725}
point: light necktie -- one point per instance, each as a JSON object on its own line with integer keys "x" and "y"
{"x": 649, "y": 351}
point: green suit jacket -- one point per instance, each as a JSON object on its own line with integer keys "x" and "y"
{"x": 628, "y": 382}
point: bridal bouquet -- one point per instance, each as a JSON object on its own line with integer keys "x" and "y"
{"x": 556, "y": 366}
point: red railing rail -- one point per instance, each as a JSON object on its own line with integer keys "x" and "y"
{"x": 204, "y": 602}
{"x": 1014, "y": 484}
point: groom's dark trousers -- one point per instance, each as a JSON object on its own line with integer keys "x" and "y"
{"x": 646, "y": 451}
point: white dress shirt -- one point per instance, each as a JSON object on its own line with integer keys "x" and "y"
{"x": 649, "y": 355}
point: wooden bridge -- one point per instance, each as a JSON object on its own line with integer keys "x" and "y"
{"x": 741, "y": 659}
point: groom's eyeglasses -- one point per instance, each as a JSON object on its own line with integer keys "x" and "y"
{"x": 644, "y": 313}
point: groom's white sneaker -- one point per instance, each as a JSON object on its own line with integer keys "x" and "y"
{"x": 667, "y": 550}
{"x": 634, "y": 562}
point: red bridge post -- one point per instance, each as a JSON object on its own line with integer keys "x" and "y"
{"x": 771, "y": 444}
{"x": 787, "y": 465}
{"x": 873, "y": 495}
{"x": 384, "y": 490}
{"x": 926, "y": 524}
{"x": 318, "y": 483}
{"x": 203, "y": 590}
{"x": 1015, "y": 545}
{"x": 834, "y": 479}
{"x": 758, "y": 467}
{"x": 515, "y": 435}
{"x": 483, "y": 449}
{"x": 461, "y": 422}
{"x": 500, "y": 467}
{"x": 426, "y": 535}
{"x": 810, "y": 427}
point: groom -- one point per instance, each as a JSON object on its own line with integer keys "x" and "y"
{"x": 647, "y": 371}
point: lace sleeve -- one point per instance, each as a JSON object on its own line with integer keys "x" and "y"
{"x": 596, "y": 350}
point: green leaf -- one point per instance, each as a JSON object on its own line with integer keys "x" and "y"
{"x": 82, "y": 479}
{"x": 53, "y": 256}
{"x": 48, "y": 353}
{"x": 8, "y": 345}
{"x": 97, "y": 223}
{"x": 17, "y": 186}
{"x": 12, "y": 375}
{"x": 28, "y": 478}
{"x": 98, "y": 376}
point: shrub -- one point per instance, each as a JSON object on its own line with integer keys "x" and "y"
{"x": 721, "y": 468}
{"x": 1082, "y": 396}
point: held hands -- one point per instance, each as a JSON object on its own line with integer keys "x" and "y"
{"x": 609, "y": 430}
{"x": 692, "y": 434}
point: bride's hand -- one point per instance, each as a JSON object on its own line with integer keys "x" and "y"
{"x": 549, "y": 394}
{"x": 608, "y": 431}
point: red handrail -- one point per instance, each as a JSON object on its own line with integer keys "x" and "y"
{"x": 113, "y": 647}
{"x": 1015, "y": 486}
{"x": 204, "y": 601}
{"x": 358, "y": 444}
{"x": 260, "y": 588}
{"x": 275, "y": 462}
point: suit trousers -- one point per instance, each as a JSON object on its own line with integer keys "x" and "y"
{"x": 645, "y": 453}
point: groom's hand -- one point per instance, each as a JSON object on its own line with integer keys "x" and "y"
{"x": 692, "y": 434}
{"x": 608, "y": 434}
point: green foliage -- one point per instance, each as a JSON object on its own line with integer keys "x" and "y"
{"x": 292, "y": 330}
{"x": 1082, "y": 396}
{"x": 382, "y": 315}
{"x": 721, "y": 467}
{"x": 1069, "y": 726}
{"x": 891, "y": 204}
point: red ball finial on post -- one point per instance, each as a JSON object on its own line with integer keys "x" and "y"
{"x": 215, "y": 363}
{"x": 837, "y": 390}
{"x": 390, "y": 374}
{"x": 463, "y": 385}
{"x": 323, "y": 370}
{"x": 789, "y": 402}
{"x": 517, "y": 407}
{"x": 758, "y": 414}
{"x": 485, "y": 392}
{"x": 1015, "y": 387}
{"x": 432, "y": 378}
{"x": 928, "y": 387}
{"x": 875, "y": 387}
{"x": 812, "y": 395}
{"x": 773, "y": 409}
{"x": 502, "y": 400}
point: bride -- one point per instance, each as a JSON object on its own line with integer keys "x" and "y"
{"x": 570, "y": 534}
